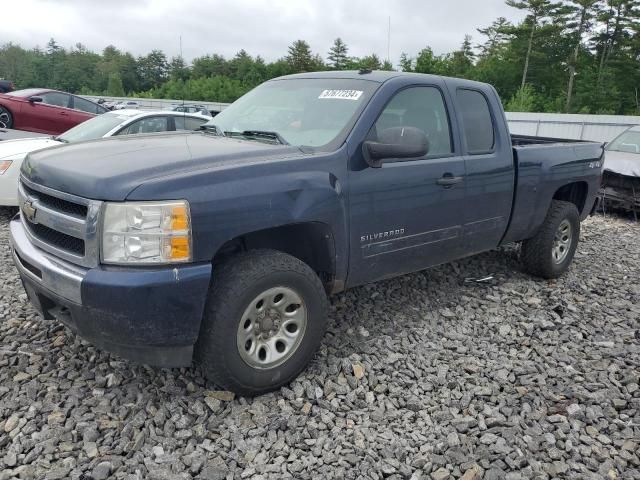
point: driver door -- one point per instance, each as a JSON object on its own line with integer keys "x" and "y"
{"x": 408, "y": 214}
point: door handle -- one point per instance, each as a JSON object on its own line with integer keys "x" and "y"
{"x": 448, "y": 180}
{"x": 64, "y": 114}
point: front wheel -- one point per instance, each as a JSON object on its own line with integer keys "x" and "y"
{"x": 6, "y": 119}
{"x": 265, "y": 318}
{"x": 550, "y": 252}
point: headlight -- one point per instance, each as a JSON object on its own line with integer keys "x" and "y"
{"x": 4, "y": 165}
{"x": 146, "y": 233}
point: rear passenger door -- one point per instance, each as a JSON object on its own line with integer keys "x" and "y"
{"x": 489, "y": 165}
{"x": 408, "y": 214}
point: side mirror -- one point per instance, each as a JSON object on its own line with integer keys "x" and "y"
{"x": 396, "y": 142}
{"x": 35, "y": 99}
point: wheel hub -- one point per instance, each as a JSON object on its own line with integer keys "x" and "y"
{"x": 562, "y": 242}
{"x": 271, "y": 328}
{"x": 269, "y": 322}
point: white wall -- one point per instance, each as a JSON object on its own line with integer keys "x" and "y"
{"x": 600, "y": 128}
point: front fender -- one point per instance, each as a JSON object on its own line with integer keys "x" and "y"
{"x": 231, "y": 203}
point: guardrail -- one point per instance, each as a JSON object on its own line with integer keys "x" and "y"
{"x": 160, "y": 104}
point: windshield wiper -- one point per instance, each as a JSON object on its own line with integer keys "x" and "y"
{"x": 259, "y": 135}
{"x": 59, "y": 139}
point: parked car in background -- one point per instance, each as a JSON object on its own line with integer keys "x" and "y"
{"x": 6, "y": 86}
{"x": 128, "y": 104}
{"x": 122, "y": 122}
{"x": 190, "y": 108}
{"x": 621, "y": 178}
{"x": 221, "y": 246}
{"x": 45, "y": 111}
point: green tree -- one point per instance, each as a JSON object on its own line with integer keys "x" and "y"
{"x": 461, "y": 61}
{"x": 153, "y": 69}
{"x": 338, "y": 55}
{"x": 209, "y": 66}
{"x": 115, "y": 88}
{"x": 299, "y": 57}
{"x": 428, "y": 62}
{"x": 578, "y": 16}
{"x": 406, "y": 63}
{"x": 370, "y": 62}
{"x": 178, "y": 69}
{"x": 524, "y": 100}
{"x": 538, "y": 11}
{"x": 387, "y": 66}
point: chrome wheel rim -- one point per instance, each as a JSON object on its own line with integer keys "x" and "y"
{"x": 271, "y": 328}
{"x": 4, "y": 117}
{"x": 562, "y": 242}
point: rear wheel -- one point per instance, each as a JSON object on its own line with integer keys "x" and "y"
{"x": 550, "y": 252}
{"x": 265, "y": 318}
{"x": 6, "y": 119}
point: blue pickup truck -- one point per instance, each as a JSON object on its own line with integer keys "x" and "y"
{"x": 222, "y": 246}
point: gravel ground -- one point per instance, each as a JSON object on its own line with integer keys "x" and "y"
{"x": 425, "y": 376}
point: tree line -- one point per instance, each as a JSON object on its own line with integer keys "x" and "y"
{"x": 576, "y": 56}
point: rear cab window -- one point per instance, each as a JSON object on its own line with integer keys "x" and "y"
{"x": 477, "y": 122}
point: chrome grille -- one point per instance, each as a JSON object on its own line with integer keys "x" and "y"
{"x": 57, "y": 203}
{"x": 62, "y": 224}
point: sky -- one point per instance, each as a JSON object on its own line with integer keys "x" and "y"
{"x": 261, "y": 27}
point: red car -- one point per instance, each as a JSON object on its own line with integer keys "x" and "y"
{"x": 45, "y": 111}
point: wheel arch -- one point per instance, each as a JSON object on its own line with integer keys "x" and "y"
{"x": 575, "y": 192}
{"x": 311, "y": 242}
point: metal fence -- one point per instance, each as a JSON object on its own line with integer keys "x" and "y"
{"x": 599, "y": 128}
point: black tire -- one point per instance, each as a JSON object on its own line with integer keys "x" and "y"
{"x": 6, "y": 118}
{"x": 237, "y": 282}
{"x": 537, "y": 253}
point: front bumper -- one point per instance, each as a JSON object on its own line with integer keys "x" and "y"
{"x": 148, "y": 315}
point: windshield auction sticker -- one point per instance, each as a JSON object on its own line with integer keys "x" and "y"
{"x": 341, "y": 94}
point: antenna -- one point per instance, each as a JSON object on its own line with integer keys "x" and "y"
{"x": 389, "y": 41}
{"x": 182, "y": 59}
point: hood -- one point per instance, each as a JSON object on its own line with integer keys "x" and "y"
{"x": 109, "y": 169}
{"x": 22, "y": 146}
{"x": 622, "y": 163}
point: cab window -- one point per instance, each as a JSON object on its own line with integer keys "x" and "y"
{"x": 422, "y": 108}
{"x": 476, "y": 121}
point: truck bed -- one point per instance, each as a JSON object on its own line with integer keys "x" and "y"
{"x": 527, "y": 140}
{"x": 543, "y": 166}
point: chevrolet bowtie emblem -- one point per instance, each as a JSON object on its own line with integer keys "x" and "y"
{"x": 29, "y": 211}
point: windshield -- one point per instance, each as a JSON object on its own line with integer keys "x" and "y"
{"x": 628, "y": 142}
{"x": 29, "y": 92}
{"x": 92, "y": 129}
{"x": 304, "y": 112}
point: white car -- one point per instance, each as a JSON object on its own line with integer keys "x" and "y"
{"x": 121, "y": 122}
{"x": 127, "y": 105}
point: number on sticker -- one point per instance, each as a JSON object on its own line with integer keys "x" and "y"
{"x": 341, "y": 94}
